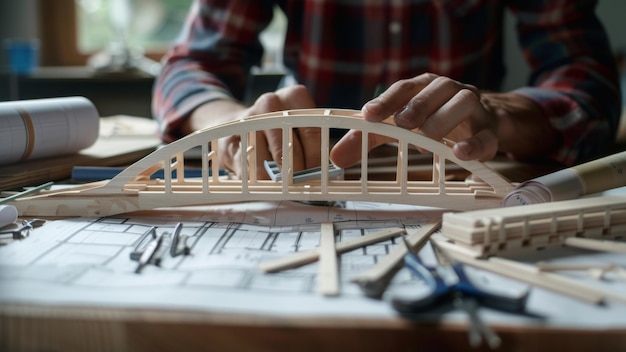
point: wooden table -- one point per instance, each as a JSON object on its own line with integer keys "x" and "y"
{"x": 31, "y": 328}
{"x": 95, "y": 328}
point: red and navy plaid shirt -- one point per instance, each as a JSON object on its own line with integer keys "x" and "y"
{"x": 343, "y": 49}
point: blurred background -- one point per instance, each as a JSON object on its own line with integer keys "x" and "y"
{"x": 108, "y": 50}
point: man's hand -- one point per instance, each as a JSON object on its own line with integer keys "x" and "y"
{"x": 306, "y": 149}
{"x": 438, "y": 107}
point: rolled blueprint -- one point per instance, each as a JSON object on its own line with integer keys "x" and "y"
{"x": 571, "y": 183}
{"x": 31, "y": 129}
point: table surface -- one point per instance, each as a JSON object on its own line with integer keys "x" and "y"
{"x": 28, "y": 327}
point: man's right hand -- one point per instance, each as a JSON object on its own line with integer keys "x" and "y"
{"x": 306, "y": 149}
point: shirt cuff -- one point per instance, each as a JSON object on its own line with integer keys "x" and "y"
{"x": 170, "y": 128}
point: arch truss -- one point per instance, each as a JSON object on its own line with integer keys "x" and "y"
{"x": 134, "y": 189}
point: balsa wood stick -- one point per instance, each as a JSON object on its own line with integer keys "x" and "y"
{"x": 596, "y": 245}
{"x": 328, "y": 275}
{"x": 543, "y": 266}
{"x": 537, "y": 226}
{"x": 374, "y": 281}
{"x": 306, "y": 257}
{"x": 533, "y": 276}
{"x": 595, "y": 271}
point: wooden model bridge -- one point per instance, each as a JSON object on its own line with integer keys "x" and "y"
{"x": 465, "y": 235}
{"x": 133, "y": 189}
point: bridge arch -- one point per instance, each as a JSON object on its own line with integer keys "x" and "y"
{"x": 135, "y": 190}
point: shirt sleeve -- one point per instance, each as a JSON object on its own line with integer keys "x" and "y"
{"x": 211, "y": 60}
{"x": 574, "y": 76}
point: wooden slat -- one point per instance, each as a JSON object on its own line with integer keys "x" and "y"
{"x": 328, "y": 276}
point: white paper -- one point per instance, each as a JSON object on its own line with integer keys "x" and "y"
{"x": 78, "y": 262}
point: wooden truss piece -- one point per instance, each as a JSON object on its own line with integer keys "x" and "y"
{"x": 596, "y": 245}
{"x": 374, "y": 281}
{"x": 133, "y": 189}
{"x": 532, "y": 275}
{"x": 302, "y": 258}
{"x": 598, "y": 272}
{"x": 328, "y": 276}
{"x": 539, "y": 226}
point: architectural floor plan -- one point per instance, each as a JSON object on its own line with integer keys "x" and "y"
{"x": 87, "y": 261}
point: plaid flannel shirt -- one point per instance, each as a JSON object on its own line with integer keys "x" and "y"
{"x": 343, "y": 49}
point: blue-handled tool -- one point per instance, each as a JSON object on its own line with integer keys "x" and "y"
{"x": 455, "y": 288}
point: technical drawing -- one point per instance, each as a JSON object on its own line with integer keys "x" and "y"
{"x": 133, "y": 189}
{"x": 223, "y": 256}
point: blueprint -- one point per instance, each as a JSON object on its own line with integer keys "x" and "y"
{"x": 87, "y": 262}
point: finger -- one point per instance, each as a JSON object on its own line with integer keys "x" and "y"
{"x": 229, "y": 153}
{"x": 274, "y": 144}
{"x": 266, "y": 102}
{"x": 428, "y": 101}
{"x": 395, "y": 97}
{"x": 481, "y": 146}
{"x": 457, "y": 110}
{"x": 269, "y": 142}
{"x": 347, "y": 151}
{"x": 295, "y": 97}
{"x": 262, "y": 154}
{"x": 308, "y": 140}
{"x": 305, "y": 147}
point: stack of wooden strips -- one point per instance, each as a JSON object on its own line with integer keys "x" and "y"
{"x": 534, "y": 227}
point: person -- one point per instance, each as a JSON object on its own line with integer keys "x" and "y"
{"x": 441, "y": 61}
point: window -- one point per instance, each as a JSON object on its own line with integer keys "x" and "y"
{"x": 148, "y": 24}
{"x": 74, "y": 30}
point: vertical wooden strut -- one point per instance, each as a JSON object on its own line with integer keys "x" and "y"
{"x": 328, "y": 275}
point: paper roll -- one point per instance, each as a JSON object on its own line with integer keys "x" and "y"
{"x": 8, "y": 214}
{"x": 31, "y": 129}
{"x": 592, "y": 177}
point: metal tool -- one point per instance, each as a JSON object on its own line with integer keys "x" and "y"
{"x": 26, "y": 192}
{"x": 179, "y": 242}
{"x": 152, "y": 247}
{"x": 20, "y": 232}
{"x": 143, "y": 243}
{"x": 274, "y": 172}
{"x": 149, "y": 253}
{"x": 459, "y": 291}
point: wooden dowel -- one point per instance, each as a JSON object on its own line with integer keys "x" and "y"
{"x": 596, "y": 271}
{"x": 531, "y": 275}
{"x": 596, "y": 245}
{"x": 555, "y": 282}
{"x": 374, "y": 280}
{"x": 571, "y": 267}
{"x": 328, "y": 275}
{"x": 306, "y": 257}
{"x": 26, "y": 192}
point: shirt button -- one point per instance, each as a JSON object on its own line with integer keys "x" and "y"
{"x": 395, "y": 27}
